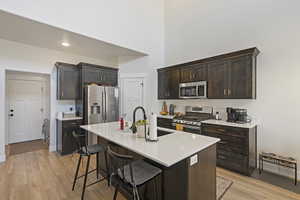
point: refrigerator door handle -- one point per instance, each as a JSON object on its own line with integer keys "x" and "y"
{"x": 102, "y": 109}
{"x": 105, "y": 103}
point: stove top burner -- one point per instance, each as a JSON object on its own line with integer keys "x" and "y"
{"x": 194, "y": 115}
{"x": 190, "y": 120}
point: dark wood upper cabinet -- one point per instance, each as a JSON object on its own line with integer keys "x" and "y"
{"x": 168, "y": 83}
{"x": 96, "y": 74}
{"x": 233, "y": 78}
{"x": 99, "y": 74}
{"x": 193, "y": 73}
{"x": 228, "y": 76}
{"x": 68, "y": 81}
{"x": 242, "y": 81}
{"x": 218, "y": 80}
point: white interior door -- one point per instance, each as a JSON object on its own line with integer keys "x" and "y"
{"x": 25, "y": 111}
{"x": 133, "y": 96}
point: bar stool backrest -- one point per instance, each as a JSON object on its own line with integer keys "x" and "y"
{"x": 117, "y": 163}
{"x": 80, "y": 145}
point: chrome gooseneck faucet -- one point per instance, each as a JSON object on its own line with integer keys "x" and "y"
{"x": 133, "y": 127}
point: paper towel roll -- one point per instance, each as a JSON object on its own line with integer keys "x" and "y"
{"x": 153, "y": 127}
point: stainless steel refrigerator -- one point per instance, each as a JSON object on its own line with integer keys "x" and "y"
{"x": 101, "y": 105}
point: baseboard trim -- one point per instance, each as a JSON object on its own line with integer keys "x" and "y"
{"x": 52, "y": 148}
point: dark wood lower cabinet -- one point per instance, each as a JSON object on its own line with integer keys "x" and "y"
{"x": 180, "y": 181}
{"x": 65, "y": 141}
{"x": 237, "y": 149}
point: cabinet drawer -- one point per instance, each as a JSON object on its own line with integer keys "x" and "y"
{"x": 227, "y": 138}
{"x": 226, "y": 131}
{"x": 71, "y": 123}
{"x": 232, "y": 161}
{"x": 232, "y": 148}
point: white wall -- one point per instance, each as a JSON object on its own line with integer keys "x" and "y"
{"x": 197, "y": 29}
{"x": 132, "y": 24}
{"x": 19, "y": 57}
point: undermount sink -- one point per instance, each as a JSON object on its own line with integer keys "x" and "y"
{"x": 162, "y": 133}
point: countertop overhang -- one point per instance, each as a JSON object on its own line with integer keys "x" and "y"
{"x": 167, "y": 151}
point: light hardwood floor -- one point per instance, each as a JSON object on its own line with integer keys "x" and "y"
{"x": 41, "y": 175}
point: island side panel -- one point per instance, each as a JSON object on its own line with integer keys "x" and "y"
{"x": 101, "y": 158}
{"x": 252, "y": 150}
{"x": 202, "y": 176}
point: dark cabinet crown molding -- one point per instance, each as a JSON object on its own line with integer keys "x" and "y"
{"x": 251, "y": 51}
{"x": 81, "y": 64}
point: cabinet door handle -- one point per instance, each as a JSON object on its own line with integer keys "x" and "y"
{"x": 229, "y": 92}
{"x": 225, "y": 92}
{"x": 62, "y": 93}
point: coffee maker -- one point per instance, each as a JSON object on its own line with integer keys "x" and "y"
{"x": 237, "y": 115}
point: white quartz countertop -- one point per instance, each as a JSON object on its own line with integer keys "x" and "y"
{"x": 166, "y": 116}
{"x": 224, "y": 123}
{"x": 69, "y": 118}
{"x": 167, "y": 151}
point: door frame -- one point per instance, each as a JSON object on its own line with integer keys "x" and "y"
{"x": 124, "y": 76}
{"x": 19, "y": 75}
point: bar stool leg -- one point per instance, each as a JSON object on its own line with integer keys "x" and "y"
{"x": 116, "y": 192}
{"x": 156, "y": 188}
{"x": 259, "y": 165}
{"x": 85, "y": 176}
{"x": 145, "y": 191}
{"x": 107, "y": 169}
{"x": 97, "y": 165}
{"x": 76, "y": 173}
{"x": 296, "y": 178}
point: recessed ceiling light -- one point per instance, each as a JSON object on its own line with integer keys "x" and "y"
{"x": 65, "y": 44}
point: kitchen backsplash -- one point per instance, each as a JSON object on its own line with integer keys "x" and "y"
{"x": 218, "y": 105}
{"x": 65, "y": 105}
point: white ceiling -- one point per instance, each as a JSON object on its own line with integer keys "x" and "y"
{"x": 19, "y": 29}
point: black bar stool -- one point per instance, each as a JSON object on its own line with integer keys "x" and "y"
{"x": 87, "y": 151}
{"x": 128, "y": 175}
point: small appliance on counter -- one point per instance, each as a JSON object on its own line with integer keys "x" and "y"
{"x": 237, "y": 115}
{"x": 172, "y": 109}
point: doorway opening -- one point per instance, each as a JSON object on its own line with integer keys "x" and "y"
{"x": 27, "y": 111}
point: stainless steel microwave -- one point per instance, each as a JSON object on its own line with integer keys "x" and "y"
{"x": 194, "y": 90}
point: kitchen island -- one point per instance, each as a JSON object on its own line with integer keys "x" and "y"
{"x": 188, "y": 160}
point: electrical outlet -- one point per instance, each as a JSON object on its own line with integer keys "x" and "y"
{"x": 193, "y": 160}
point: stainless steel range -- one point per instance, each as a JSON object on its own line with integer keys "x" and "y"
{"x": 191, "y": 121}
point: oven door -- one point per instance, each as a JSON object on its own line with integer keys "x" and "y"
{"x": 188, "y": 90}
{"x": 192, "y": 129}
